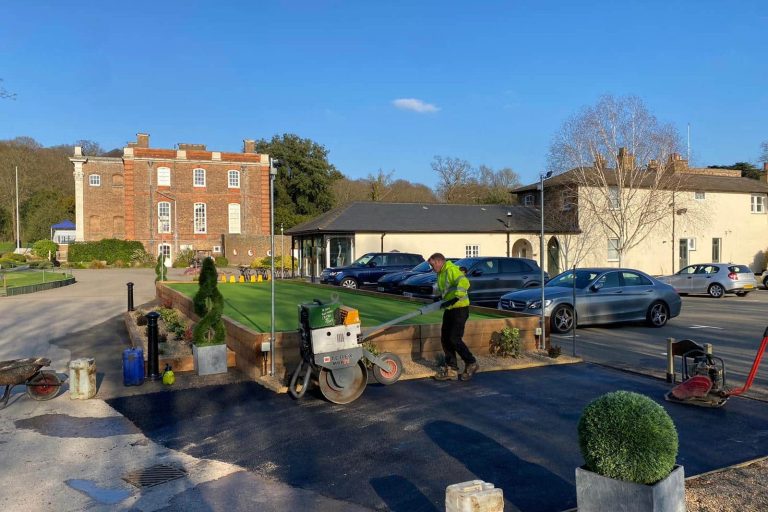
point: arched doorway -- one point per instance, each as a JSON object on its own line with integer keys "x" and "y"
{"x": 553, "y": 257}
{"x": 522, "y": 249}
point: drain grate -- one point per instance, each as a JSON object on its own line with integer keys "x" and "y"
{"x": 154, "y": 475}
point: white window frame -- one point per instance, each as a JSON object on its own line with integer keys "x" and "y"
{"x": 613, "y": 249}
{"x": 199, "y": 216}
{"x": 165, "y": 250}
{"x": 164, "y": 217}
{"x": 94, "y": 180}
{"x": 471, "y": 251}
{"x": 163, "y": 176}
{"x": 233, "y": 215}
{"x": 233, "y": 179}
{"x": 613, "y": 198}
{"x": 699, "y": 195}
{"x": 198, "y": 177}
{"x": 216, "y": 249}
{"x": 757, "y": 203}
{"x": 529, "y": 200}
{"x": 566, "y": 200}
{"x": 691, "y": 244}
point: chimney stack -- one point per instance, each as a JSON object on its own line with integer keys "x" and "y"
{"x": 625, "y": 160}
{"x": 249, "y": 146}
{"x": 186, "y": 146}
{"x": 142, "y": 140}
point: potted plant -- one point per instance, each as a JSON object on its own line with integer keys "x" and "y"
{"x": 209, "y": 347}
{"x": 629, "y": 444}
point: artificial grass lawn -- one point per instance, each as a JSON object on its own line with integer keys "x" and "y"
{"x": 249, "y": 304}
{"x": 30, "y": 277}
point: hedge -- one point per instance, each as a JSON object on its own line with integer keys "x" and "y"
{"x": 108, "y": 250}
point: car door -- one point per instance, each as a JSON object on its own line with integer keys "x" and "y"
{"x": 702, "y": 278}
{"x": 605, "y": 298}
{"x": 638, "y": 294}
{"x": 372, "y": 271}
{"x": 483, "y": 280}
{"x": 515, "y": 274}
{"x": 683, "y": 279}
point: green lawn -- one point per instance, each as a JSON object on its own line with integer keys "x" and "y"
{"x": 7, "y": 247}
{"x": 28, "y": 277}
{"x": 249, "y": 304}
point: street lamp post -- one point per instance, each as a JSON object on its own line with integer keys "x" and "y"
{"x": 506, "y": 225}
{"x": 273, "y": 165}
{"x": 542, "y": 177}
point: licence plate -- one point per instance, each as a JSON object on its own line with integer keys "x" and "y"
{"x": 407, "y": 294}
{"x": 749, "y": 286}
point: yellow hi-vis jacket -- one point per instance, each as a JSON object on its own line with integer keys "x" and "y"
{"x": 452, "y": 283}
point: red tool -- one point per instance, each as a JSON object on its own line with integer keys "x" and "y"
{"x": 704, "y": 383}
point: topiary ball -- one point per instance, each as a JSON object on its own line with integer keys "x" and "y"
{"x": 628, "y": 436}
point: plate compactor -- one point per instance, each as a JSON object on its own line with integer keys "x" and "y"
{"x": 704, "y": 375}
{"x": 332, "y": 352}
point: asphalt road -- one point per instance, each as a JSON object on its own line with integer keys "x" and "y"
{"x": 733, "y": 325}
{"x": 398, "y": 447}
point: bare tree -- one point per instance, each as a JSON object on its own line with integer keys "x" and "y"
{"x": 454, "y": 177}
{"x": 380, "y": 185}
{"x": 764, "y": 149}
{"x": 621, "y": 159}
{"x": 496, "y": 185}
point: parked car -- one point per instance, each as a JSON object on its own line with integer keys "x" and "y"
{"x": 368, "y": 268}
{"x": 489, "y": 278}
{"x": 603, "y": 295}
{"x": 716, "y": 279}
{"x": 390, "y": 283}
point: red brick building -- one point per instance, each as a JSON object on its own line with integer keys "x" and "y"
{"x": 172, "y": 199}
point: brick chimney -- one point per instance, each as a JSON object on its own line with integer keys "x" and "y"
{"x": 142, "y": 140}
{"x": 624, "y": 159}
{"x": 764, "y": 175}
{"x": 653, "y": 165}
{"x": 677, "y": 163}
{"x": 249, "y": 146}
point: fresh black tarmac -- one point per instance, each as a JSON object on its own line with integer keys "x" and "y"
{"x": 398, "y": 447}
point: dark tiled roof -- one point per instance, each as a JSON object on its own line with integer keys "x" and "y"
{"x": 693, "y": 181}
{"x": 374, "y": 217}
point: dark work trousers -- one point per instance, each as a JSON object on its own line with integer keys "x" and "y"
{"x": 451, "y": 337}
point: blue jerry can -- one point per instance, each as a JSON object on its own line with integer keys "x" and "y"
{"x": 133, "y": 367}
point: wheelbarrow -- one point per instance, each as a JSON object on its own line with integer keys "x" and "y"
{"x": 41, "y": 384}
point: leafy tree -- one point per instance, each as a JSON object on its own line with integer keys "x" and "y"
{"x": 617, "y": 155}
{"x": 44, "y": 248}
{"x": 747, "y": 170}
{"x": 304, "y": 178}
{"x": 43, "y": 209}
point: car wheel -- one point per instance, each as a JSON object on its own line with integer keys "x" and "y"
{"x": 715, "y": 290}
{"x": 658, "y": 314}
{"x": 562, "y": 319}
{"x": 348, "y": 282}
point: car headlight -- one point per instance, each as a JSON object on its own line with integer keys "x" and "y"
{"x": 333, "y": 274}
{"x": 537, "y": 304}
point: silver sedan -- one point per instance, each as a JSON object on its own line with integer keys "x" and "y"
{"x": 602, "y": 295}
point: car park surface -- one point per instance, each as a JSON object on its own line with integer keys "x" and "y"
{"x": 602, "y": 295}
{"x": 369, "y": 268}
{"x": 714, "y": 279}
{"x": 489, "y": 278}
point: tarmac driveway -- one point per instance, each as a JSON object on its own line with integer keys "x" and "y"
{"x": 398, "y": 447}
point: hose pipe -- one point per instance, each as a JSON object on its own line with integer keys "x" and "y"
{"x": 304, "y": 383}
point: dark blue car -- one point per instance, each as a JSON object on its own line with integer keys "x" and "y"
{"x": 390, "y": 283}
{"x": 369, "y": 268}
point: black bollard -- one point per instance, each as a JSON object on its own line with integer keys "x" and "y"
{"x": 130, "y": 296}
{"x": 153, "y": 362}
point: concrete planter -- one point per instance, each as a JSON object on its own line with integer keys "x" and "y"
{"x": 596, "y": 493}
{"x": 210, "y": 359}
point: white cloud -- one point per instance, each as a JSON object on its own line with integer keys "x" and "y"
{"x": 414, "y": 105}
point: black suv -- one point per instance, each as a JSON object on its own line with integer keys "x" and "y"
{"x": 368, "y": 268}
{"x": 489, "y": 279}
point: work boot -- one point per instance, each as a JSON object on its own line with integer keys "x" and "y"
{"x": 447, "y": 374}
{"x": 469, "y": 371}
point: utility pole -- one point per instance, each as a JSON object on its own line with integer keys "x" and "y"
{"x": 18, "y": 224}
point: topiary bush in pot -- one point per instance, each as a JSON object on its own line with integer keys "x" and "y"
{"x": 208, "y": 287}
{"x": 627, "y": 436}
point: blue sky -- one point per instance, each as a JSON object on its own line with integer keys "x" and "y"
{"x": 493, "y": 81}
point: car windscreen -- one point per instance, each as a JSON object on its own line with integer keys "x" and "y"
{"x": 740, "y": 269}
{"x": 363, "y": 260}
{"x": 566, "y": 279}
{"x": 422, "y": 267}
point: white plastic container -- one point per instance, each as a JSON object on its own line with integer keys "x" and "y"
{"x": 473, "y": 496}
{"x": 82, "y": 378}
